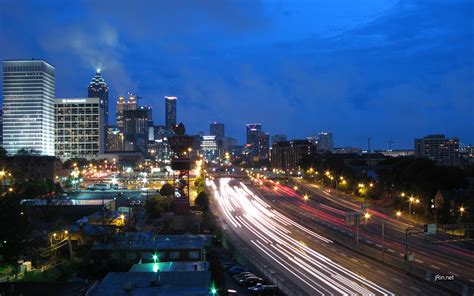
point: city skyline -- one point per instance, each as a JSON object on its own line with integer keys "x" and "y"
{"x": 367, "y": 74}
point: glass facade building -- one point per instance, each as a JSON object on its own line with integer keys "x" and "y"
{"x": 170, "y": 112}
{"x": 28, "y": 106}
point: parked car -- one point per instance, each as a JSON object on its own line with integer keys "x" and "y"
{"x": 251, "y": 281}
{"x": 243, "y": 275}
{"x": 263, "y": 290}
{"x": 236, "y": 270}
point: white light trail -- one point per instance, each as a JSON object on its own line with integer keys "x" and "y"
{"x": 251, "y": 216}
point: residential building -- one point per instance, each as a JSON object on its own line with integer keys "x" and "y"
{"x": 325, "y": 143}
{"x": 287, "y": 155}
{"x": 28, "y": 106}
{"x": 443, "y": 151}
{"x": 170, "y": 112}
{"x": 78, "y": 132}
{"x": 33, "y": 167}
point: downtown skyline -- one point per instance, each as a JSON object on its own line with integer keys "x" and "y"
{"x": 359, "y": 77}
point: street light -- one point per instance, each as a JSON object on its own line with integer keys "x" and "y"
{"x": 305, "y": 197}
{"x": 398, "y": 214}
{"x": 295, "y": 188}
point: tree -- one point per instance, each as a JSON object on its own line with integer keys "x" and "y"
{"x": 156, "y": 205}
{"x": 167, "y": 190}
{"x": 202, "y": 200}
{"x": 15, "y": 228}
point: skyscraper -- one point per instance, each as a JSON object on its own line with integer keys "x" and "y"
{"x": 121, "y": 106}
{"x": 325, "y": 142}
{"x": 28, "y": 106}
{"x": 170, "y": 112}
{"x": 78, "y": 128}
{"x": 217, "y": 129}
{"x": 98, "y": 89}
{"x": 135, "y": 129}
{"x": 253, "y": 132}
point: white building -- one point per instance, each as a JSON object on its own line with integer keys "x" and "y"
{"x": 78, "y": 128}
{"x": 209, "y": 147}
{"x": 28, "y": 106}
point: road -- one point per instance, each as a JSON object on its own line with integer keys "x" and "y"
{"x": 443, "y": 258}
{"x": 301, "y": 256}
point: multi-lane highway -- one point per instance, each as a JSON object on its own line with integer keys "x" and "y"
{"x": 329, "y": 206}
{"x": 312, "y": 262}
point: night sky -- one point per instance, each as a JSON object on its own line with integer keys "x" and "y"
{"x": 389, "y": 70}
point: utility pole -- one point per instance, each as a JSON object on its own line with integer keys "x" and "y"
{"x": 390, "y": 142}
{"x": 383, "y": 238}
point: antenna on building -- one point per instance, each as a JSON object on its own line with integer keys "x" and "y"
{"x": 368, "y": 145}
{"x": 390, "y": 142}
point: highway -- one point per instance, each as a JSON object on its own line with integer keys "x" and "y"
{"x": 312, "y": 262}
{"x": 329, "y": 206}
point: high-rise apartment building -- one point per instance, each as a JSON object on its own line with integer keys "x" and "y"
{"x": 170, "y": 112}
{"x": 28, "y": 106}
{"x": 98, "y": 89}
{"x": 79, "y": 128}
{"x": 325, "y": 142}
{"x": 442, "y": 150}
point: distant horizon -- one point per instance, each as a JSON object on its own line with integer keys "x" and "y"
{"x": 389, "y": 70}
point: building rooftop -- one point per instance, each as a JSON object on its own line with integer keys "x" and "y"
{"x": 151, "y": 241}
{"x": 170, "y": 266}
{"x": 185, "y": 283}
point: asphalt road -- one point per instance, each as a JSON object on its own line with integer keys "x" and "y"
{"x": 443, "y": 258}
{"x": 301, "y": 256}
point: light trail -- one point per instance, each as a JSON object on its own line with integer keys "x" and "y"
{"x": 271, "y": 233}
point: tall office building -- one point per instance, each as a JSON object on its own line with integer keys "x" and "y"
{"x": 263, "y": 146}
{"x": 120, "y": 106}
{"x": 442, "y": 150}
{"x": 28, "y": 106}
{"x": 1, "y": 127}
{"x": 325, "y": 142}
{"x": 278, "y": 138}
{"x": 98, "y": 89}
{"x": 170, "y": 112}
{"x": 115, "y": 139}
{"x": 253, "y": 132}
{"x": 217, "y": 129}
{"x": 78, "y": 128}
{"x": 135, "y": 129}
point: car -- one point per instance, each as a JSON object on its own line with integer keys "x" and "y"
{"x": 243, "y": 275}
{"x": 263, "y": 290}
{"x": 236, "y": 269}
{"x": 251, "y": 281}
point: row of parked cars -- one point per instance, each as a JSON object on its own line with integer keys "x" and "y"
{"x": 255, "y": 284}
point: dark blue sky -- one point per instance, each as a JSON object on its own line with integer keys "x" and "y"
{"x": 385, "y": 69}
